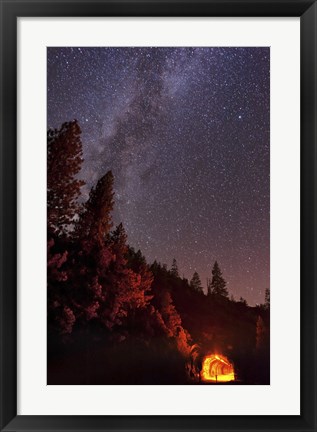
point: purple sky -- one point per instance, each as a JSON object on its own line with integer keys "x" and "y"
{"x": 186, "y": 132}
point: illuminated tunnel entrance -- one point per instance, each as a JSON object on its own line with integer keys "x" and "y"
{"x": 217, "y": 368}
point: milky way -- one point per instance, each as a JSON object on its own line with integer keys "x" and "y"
{"x": 186, "y": 134}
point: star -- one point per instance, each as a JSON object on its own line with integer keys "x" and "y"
{"x": 186, "y": 133}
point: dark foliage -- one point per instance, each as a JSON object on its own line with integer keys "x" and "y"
{"x": 115, "y": 319}
{"x": 64, "y": 159}
{"x": 217, "y": 286}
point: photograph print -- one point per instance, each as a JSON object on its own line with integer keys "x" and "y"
{"x": 158, "y": 215}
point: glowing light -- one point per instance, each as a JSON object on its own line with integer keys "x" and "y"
{"x": 217, "y": 368}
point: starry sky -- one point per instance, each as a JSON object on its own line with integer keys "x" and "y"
{"x": 186, "y": 133}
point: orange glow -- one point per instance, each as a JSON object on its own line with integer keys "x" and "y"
{"x": 217, "y": 368}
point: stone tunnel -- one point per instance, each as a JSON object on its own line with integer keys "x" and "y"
{"x": 217, "y": 368}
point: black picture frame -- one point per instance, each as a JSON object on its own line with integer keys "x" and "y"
{"x": 10, "y": 11}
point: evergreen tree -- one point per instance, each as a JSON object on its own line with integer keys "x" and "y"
{"x": 218, "y": 284}
{"x": 267, "y": 299}
{"x": 64, "y": 160}
{"x": 174, "y": 269}
{"x": 243, "y": 301}
{"x": 60, "y": 316}
{"x": 126, "y": 289}
{"x": 95, "y": 221}
{"x": 172, "y": 323}
{"x": 209, "y": 288}
{"x": 195, "y": 283}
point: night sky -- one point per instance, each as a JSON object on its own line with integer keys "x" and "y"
{"x": 186, "y": 133}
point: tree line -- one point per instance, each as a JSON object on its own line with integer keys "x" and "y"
{"x": 111, "y": 309}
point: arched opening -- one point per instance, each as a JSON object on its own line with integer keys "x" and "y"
{"x": 217, "y": 368}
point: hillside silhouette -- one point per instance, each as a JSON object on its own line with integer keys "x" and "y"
{"x": 114, "y": 318}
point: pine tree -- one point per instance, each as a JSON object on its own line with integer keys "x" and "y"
{"x": 174, "y": 269}
{"x": 64, "y": 160}
{"x": 60, "y": 316}
{"x": 195, "y": 283}
{"x": 126, "y": 289}
{"x": 218, "y": 284}
{"x": 209, "y": 288}
{"x": 119, "y": 245}
{"x": 267, "y": 299}
{"x": 95, "y": 221}
{"x": 172, "y": 323}
{"x": 243, "y": 301}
